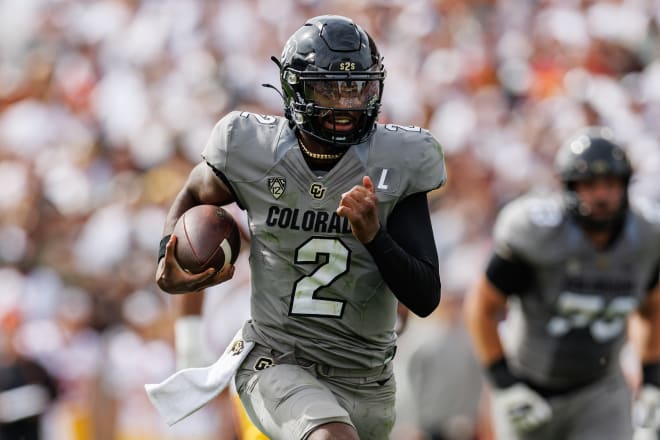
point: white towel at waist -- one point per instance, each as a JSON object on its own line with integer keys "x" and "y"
{"x": 188, "y": 390}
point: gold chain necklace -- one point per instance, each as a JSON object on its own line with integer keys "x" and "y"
{"x": 319, "y": 156}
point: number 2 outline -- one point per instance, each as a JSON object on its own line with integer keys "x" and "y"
{"x": 304, "y": 296}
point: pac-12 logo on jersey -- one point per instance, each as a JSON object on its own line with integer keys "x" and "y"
{"x": 277, "y": 185}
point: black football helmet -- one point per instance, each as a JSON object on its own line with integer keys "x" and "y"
{"x": 332, "y": 77}
{"x": 590, "y": 154}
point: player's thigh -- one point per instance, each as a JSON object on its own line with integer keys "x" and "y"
{"x": 371, "y": 403}
{"x": 246, "y": 430}
{"x": 335, "y": 431}
{"x": 287, "y": 402}
{"x": 603, "y": 412}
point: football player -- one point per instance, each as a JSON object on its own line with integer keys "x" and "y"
{"x": 340, "y": 231}
{"x": 571, "y": 269}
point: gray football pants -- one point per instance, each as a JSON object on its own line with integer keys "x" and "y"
{"x": 601, "y": 411}
{"x": 287, "y": 400}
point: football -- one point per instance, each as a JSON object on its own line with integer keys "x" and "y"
{"x": 207, "y": 236}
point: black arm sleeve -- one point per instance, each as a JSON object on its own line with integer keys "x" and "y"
{"x": 509, "y": 276}
{"x": 653, "y": 281}
{"x": 406, "y": 255}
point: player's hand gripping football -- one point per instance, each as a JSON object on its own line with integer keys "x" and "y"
{"x": 524, "y": 407}
{"x": 172, "y": 278}
{"x": 360, "y": 206}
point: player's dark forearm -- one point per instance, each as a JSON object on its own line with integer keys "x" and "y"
{"x": 414, "y": 282}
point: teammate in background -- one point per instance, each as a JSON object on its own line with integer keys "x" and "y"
{"x": 27, "y": 390}
{"x": 340, "y": 230}
{"x": 571, "y": 270}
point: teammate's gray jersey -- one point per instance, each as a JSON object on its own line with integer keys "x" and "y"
{"x": 315, "y": 289}
{"x": 569, "y": 327}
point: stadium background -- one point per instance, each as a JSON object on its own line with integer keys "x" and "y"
{"x": 105, "y": 105}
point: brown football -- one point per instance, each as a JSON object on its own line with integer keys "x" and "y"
{"x": 207, "y": 236}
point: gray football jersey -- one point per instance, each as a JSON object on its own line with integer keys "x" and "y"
{"x": 568, "y": 328}
{"x": 316, "y": 290}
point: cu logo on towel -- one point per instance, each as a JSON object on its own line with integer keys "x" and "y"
{"x": 237, "y": 348}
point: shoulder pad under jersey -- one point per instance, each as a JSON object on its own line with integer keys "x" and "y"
{"x": 413, "y": 158}
{"x": 647, "y": 211}
{"x": 528, "y": 227}
{"x": 243, "y": 145}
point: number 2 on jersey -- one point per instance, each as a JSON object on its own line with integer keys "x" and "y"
{"x": 304, "y": 300}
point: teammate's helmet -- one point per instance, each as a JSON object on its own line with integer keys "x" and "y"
{"x": 332, "y": 77}
{"x": 590, "y": 154}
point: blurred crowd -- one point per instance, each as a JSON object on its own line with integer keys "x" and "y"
{"x": 105, "y": 105}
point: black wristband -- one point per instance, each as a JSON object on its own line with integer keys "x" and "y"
{"x": 500, "y": 375}
{"x": 651, "y": 373}
{"x": 163, "y": 245}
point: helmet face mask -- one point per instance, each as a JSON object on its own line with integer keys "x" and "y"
{"x": 342, "y": 109}
{"x": 332, "y": 77}
{"x": 586, "y": 157}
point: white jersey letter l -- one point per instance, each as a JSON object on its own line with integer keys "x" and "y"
{"x": 383, "y": 176}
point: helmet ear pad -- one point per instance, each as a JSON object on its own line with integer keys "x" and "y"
{"x": 330, "y": 49}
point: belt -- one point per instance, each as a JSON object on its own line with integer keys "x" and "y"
{"x": 328, "y": 371}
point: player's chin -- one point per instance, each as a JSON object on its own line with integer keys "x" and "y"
{"x": 605, "y": 220}
{"x": 603, "y": 214}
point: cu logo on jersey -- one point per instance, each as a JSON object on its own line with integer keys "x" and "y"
{"x": 277, "y": 185}
{"x": 317, "y": 190}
